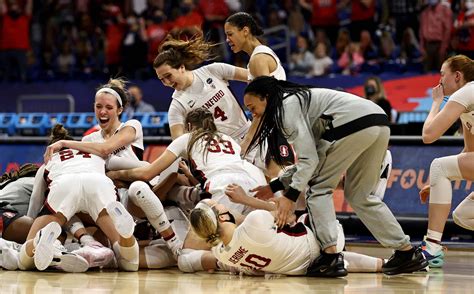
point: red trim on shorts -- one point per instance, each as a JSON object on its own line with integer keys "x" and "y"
{"x": 46, "y": 204}
{"x": 297, "y": 230}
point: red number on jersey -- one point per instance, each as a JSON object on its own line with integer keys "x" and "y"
{"x": 219, "y": 113}
{"x": 68, "y": 154}
{"x": 215, "y": 147}
{"x": 256, "y": 261}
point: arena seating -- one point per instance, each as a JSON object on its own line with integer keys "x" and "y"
{"x": 38, "y": 124}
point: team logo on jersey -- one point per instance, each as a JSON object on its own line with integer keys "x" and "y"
{"x": 191, "y": 103}
{"x": 284, "y": 151}
{"x": 8, "y": 214}
{"x": 209, "y": 82}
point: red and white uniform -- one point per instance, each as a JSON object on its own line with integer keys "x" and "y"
{"x": 465, "y": 97}
{"x": 220, "y": 167}
{"x": 125, "y": 157}
{"x": 279, "y": 72}
{"x": 78, "y": 183}
{"x": 210, "y": 89}
{"x": 132, "y": 151}
{"x": 258, "y": 245}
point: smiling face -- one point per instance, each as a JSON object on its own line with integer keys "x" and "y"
{"x": 172, "y": 77}
{"x": 107, "y": 111}
{"x": 255, "y": 104}
{"x": 236, "y": 37}
{"x": 449, "y": 80}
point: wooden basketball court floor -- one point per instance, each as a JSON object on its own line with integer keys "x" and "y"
{"x": 456, "y": 277}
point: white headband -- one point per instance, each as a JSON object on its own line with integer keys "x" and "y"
{"x": 207, "y": 210}
{"x": 112, "y": 92}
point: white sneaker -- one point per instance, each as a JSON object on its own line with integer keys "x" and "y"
{"x": 96, "y": 254}
{"x": 122, "y": 220}
{"x": 43, "y": 243}
{"x": 67, "y": 261}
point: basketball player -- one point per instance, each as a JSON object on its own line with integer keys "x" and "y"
{"x": 256, "y": 246}
{"x": 215, "y": 159}
{"x": 206, "y": 86}
{"x": 457, "y": 76}
{"x": 122, "y": 145}
{"x": 93, "y": 192}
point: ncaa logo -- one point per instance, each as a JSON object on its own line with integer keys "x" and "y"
{"x": 209, "y": 82}
{"x": 284, "y": 151}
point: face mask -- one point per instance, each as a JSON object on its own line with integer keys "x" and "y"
{"x": 14, "y": 14}
{"x": 231, "y": 217}
{"x": 157, "y": 19}
{"x": 370, "y": 90}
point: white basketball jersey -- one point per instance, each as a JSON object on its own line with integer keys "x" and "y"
{"x": 279, "y": 72}
{"x": 257, "y": 244}
{"x": 133, "y": 151}
{"x": 222, "y": 155}
{"x": 69, "y": 161}
{"x": 210, "y": 89}
{"x": 465, "y": 97}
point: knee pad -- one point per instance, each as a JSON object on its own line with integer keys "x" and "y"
{"x": 442, "y": 171}
{"x": 127, "y": 257}
{"x": 135, "y": 189}
{"x": 463, "y": 215}
{"x": 189, "y": 261}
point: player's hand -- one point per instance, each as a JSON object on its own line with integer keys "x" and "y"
{"x": 286, "y": 209}
{"x": 51, "y": 149}
{"x": 262, "y": 192}
{"x": 438, "y": 94}
{"x": 236, "y": 193}
{"x": 184, "y": 168}
{"x": 424, "y": 194}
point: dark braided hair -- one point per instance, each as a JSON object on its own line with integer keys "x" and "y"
{"x": 271, "y": 123}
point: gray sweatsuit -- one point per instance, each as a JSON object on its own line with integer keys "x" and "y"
{"x": 354, "y": 140}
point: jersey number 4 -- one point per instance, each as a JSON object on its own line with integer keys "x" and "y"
{"x": 220, "y": 146}
{"x": 68, "y": 154}
{"x": 219, "y": 113}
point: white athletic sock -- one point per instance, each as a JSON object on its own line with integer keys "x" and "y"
{"x": 25, "y": 262}
{"x": 86, "y": 239}
{"x": 360, "y": 263}
{"x": 174, "y": 243}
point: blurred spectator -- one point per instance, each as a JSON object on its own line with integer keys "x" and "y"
{"x": 137, "y": 105}
{"x": 156, "y": 31}
{"x": 134, "y": 48}
{"x": 435, "y": 31}
{"x": 66, "y": 61}
{"x": 322, "y": 62}
{"x": 189, "y": 15}
{"x": 114, "y": 33}
{"x": 324, "y": 15}
{"x": 351, "y": 60}
{"x": 388, "y": 50}
{"x": 14, "y": 39}
{"x": 405, "y": 14}
{"x": 464, "y": 29}
{"x": 409, "y": 47}
{"x": 362, "y": 17}
{"x": 368, "y": 48}
{"x": 375, "y": 92}
{"x": 342, "y": 42}
{"x": 302, "y": 59}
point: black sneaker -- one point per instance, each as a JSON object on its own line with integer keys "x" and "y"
{"x": 327, "y": 265}
{"x": 405, "y": 262}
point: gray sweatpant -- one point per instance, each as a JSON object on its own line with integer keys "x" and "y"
{"x": 360, "y": 155}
